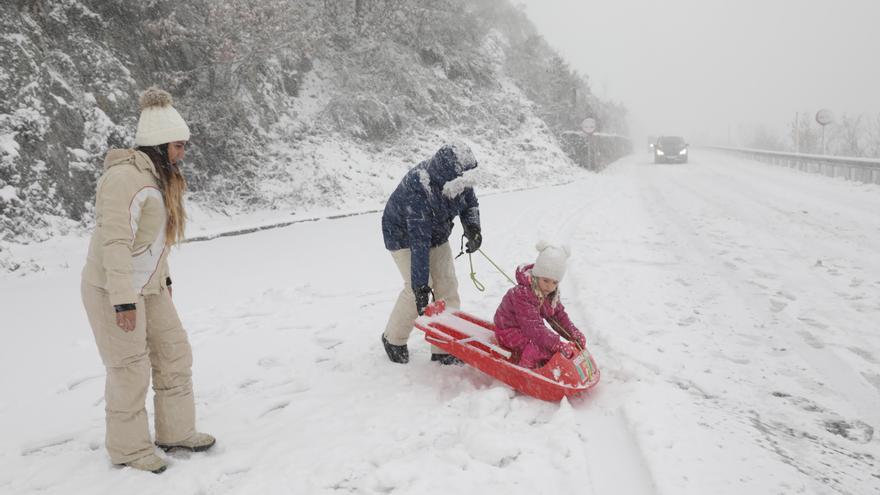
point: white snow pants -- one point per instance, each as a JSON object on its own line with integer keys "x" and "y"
{"x": 158, "y": 343}
{"x": 442, "y": 280}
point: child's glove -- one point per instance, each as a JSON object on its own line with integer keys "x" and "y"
{"x": 581, "y": 340}
{"x": 474, "y": 237}
{"x": 567, "y": 349}
{"x": 422, "y": 300}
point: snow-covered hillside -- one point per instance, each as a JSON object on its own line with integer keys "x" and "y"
{"x": 293, "y": 104}
{"x": 732, "y": 307}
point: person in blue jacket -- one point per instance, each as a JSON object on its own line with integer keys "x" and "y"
{"x": 416, "y": 226}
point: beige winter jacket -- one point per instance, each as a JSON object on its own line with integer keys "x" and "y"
{"x": 127, "y": 254}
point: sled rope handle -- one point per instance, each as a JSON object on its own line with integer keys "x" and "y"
{"x": 496, "y": 267}
{"x": 479, "y": 285}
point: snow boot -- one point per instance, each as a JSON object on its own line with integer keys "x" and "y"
{"x": 198, "y": 442}
{"x": 150, "y": 462}
{"x": 446, "y": 359}
{"x": 396, "y": 353}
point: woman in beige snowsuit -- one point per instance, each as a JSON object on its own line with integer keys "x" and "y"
{"x": 126, "y": 290}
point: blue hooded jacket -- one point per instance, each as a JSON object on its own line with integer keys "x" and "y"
{"x": 419, "y": 214}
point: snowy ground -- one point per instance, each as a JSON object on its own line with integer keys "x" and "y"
{"x": 732, "y": 306}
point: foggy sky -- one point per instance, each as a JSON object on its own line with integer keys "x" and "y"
{"x": 703, "y": 67}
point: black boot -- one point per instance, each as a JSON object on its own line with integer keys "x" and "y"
{"x": 446, "y": 359}
{"x": 396, "y": 353}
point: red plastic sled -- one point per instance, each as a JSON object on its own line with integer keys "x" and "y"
{"x": 472, "y": 340}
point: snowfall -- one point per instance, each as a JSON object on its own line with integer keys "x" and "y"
{"x": 732, "y": 307}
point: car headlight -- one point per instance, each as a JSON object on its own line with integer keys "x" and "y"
{"x": 683, "y": 152}
{"x": 659, "y": 151}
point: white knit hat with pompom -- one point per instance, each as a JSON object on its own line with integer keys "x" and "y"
{"x": 159, "y": 123}
{"x": 551, "y": 260}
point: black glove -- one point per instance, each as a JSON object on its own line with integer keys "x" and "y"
{"x": 474, "y": 237}
{"x": 422, "y": 294}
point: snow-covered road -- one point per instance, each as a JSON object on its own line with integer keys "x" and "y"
{"x": 733, "y": 307}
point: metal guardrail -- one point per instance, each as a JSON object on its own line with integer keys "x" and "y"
{"x": 856, "y": 169}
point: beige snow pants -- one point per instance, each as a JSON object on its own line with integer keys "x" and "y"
{"x": 442, "y": 280}
{"x": 158, "y": 343}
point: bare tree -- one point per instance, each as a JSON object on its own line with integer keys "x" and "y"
{"x": 805, "y": 135}
{"x": 872, "y": 137}
{"x": 845, "y": 136}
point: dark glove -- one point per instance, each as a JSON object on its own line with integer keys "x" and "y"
{"x": 422, "y": 300}
{"x": 474, "y": 237}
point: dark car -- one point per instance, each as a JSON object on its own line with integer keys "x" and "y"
{"x": 670, "y": 149}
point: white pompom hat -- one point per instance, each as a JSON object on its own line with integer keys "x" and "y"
{"x": 551, "y": 260}
{"x": 159, "y": 122}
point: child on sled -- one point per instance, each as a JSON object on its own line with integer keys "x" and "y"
{"x": 519, "y": 320}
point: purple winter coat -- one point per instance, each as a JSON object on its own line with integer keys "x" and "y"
{"x": 519, "y": 321}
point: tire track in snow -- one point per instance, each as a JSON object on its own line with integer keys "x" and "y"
{"x": 786, "y": 441}
{"x": 615, "y": 461}
{"x": 842, "y": 377}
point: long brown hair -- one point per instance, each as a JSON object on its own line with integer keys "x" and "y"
{"x": 173, "y": 185}
{"x": 553, "y": 296}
